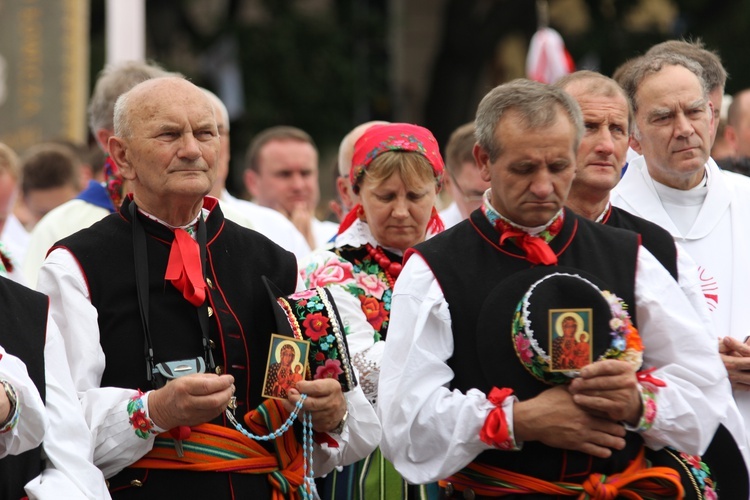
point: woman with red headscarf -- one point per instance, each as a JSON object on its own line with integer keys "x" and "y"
{"x": 397, "y": 173}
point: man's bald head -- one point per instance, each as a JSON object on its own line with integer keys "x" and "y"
{"x": 144, "y": 100}
{"x": 346, "y": 148}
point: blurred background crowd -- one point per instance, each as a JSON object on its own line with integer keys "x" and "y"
{"x": 324, "y": 66}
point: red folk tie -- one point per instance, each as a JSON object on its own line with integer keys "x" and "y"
{"x": 537, "y": 250}
{"x": 184, "y": 268}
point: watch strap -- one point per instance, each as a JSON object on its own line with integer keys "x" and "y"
{"x": 10, "y": 422}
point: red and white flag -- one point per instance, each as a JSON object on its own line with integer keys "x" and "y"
{"x": 548, "y": 60}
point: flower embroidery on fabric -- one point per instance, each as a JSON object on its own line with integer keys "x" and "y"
{"x": 376, "y": 315}
{"x": 304, "y": 294}
{"x": 334, "y": 271}
{"x": 143, "y": 425}
{"x": 371, "y": 284}
{"x": 648, "y": 397}
{"x": 357, "y": 273}
{"x": 6, "y": 262}
{"x": 11, "y": 424}
{"x": 331, "y": 369}
{"x": 312, "y": 320}
{"x": 625, "y": 343}
{"x": 316, "y": 324}
{"x": 702, "y": 475}
{"x": 524, "y": 349}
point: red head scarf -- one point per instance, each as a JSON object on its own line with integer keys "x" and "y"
{"x": 393, "y": 137}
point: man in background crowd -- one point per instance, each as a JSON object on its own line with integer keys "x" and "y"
{"x": 281, "y": 172}
{"x": 99, "y": 198}
{"x": 464, "y": 180}
{"x": 677, "y": 185}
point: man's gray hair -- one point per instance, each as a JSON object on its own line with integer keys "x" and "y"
{"x": 223, "y": 120}
{"x": 649, "y": 65}
{"x": 709, "y": 60}
{"x": 113, "y": 81}
{"x": 122, "y": 118}
{"x": 595, "y": 84}
{"x": 537, "y": 103}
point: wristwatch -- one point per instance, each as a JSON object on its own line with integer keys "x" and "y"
{"x": 340, "y": 428}
{"x": 11, "y": 393}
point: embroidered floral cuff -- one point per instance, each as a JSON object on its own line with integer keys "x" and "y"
{"x": 15, "y": 408}
{"x": 497, "y": 430}
{"x": 138, "y": 417}
{"x": 648, "y": 402}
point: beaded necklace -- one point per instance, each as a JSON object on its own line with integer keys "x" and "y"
{"x": 309, "y": 491}
{"x": 390, "y": 268}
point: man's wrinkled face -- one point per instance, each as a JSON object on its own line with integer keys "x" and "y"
{"x": 531, "y": 177}
{"x": 173, "y": 149}
{"x": 673, "y": 126}
{"x": 603, "y": 149}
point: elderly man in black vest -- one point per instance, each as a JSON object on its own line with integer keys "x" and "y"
{"x": 169, "y": 284}
{"x": 465, "y": 371}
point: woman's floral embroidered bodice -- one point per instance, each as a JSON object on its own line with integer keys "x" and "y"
{"x": 349, "y": 265}
{"x": 356, "y": 272}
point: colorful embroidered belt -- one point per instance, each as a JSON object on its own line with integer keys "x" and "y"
{"x": 214, "y": 448}
{"x": 636, "y": 482}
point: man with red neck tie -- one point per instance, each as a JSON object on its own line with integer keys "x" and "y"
{"x": 468, "y": 365}
{"x": 168, "y": 286}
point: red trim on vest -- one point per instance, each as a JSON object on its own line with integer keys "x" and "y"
{"x": 410, "y": 252}
{"x": 80, "y": 267}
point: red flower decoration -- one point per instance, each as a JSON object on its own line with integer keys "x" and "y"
{"x": 316, "y": 325}
{"x": 693, "y": 460}
{"x": 332, "y": 369}
{"x": 139, "y": 421}
{"x": 375, "y": 313}
{"x": 319, "y": 356}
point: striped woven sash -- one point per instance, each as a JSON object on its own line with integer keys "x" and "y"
{"x": 636, "y": 482}
{"x": 214, "y": 448}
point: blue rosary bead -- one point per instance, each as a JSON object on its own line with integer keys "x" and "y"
{"x": 308, "y": 492}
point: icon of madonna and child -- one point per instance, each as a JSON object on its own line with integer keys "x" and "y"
{"x": 287, "y": 360}
{"x": 570, "y": 339}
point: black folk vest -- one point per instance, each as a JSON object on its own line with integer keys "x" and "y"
{"x": 240, "y": 324}
{"x": 241, "y": 320}
{"x": 470, "y": 265}
{"x": 656, "y": 239}
{"x": 23, "y": 325}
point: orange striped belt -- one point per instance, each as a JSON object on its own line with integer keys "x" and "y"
{"x": 636, "y": 482}
{"x": 214, "y": 448}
